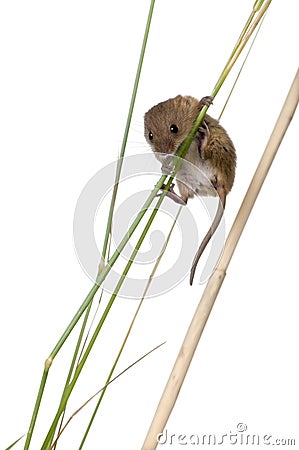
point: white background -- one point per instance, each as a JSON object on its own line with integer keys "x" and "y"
{"x": 67, "y": 71}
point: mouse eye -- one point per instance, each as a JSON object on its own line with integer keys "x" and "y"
{"x": 150, "y": 136}
{"x": 174, "y": 128}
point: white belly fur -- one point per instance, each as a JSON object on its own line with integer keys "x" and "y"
{"x": 194, "y": 172}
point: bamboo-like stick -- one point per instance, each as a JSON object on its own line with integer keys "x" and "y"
{"x": 210, "y": 293}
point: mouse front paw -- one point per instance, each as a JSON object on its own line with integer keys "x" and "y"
{"x": 167, "y": 169}
{"x": 206, "y": 101}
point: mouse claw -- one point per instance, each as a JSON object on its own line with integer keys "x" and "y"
{"x": 163, "y": 187}
{"x": 176, "y": 198}
{"x": 171, "y": 194}
{"x": 206, "y": 101}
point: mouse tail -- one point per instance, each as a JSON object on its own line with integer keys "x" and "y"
{"x": 212, "y": 229}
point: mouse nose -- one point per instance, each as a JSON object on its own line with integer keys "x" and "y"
{"x": 168, "y": 146}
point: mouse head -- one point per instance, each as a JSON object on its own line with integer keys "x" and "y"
{"x": 167, "y": 124}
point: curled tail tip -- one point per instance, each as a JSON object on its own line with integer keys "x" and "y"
{"x": 191, "y": 277}
{"x": 195, "y": 262}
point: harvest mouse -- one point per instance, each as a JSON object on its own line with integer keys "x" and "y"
{"x": 166, "y": 126}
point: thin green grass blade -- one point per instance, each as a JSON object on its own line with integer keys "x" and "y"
{"x": 12, "y": 445}
{"x": 247, "y": 31}
{"x": 73, "y": 362}
{"x": 127, "y": 127}
{"x": 48, "y": 364}
{"x": 36, "y": 407}
{"x": 256, "y": 7}
{"x": 98, "y": 392}
{"x": 241, "y": 68}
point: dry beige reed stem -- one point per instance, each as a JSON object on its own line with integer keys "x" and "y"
{"x": 207, "y": 301}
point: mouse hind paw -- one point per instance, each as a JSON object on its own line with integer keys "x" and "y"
{"x": 173, "y": 195}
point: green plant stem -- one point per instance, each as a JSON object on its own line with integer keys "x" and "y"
{"x": 36, "y": 407}
{"x": 101, "y": 321}
{"x": 101, "y": 396}
{"x": 14, "y": 443}
{"x": 47, "y": 366}
{"x": 97, "y": 393}
{"x": 127, "y": 128}
{"x": 247, "y": 31}
{"x": 74, "y": 359}
{"x": 256, "y": 7}
{"x": 241, "y": 68}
